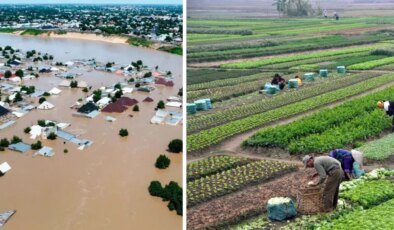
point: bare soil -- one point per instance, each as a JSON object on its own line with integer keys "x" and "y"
{"x": 246, "y": 203}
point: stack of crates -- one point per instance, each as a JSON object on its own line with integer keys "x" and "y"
{"x": 191, "y": 108}
{"x": 201, "y": 105}
{"x": 293, "y": 83}
{"x": 341, "y": 69}
{"x": 323, "y": 73}
{"x": 208, "y": 102}
{"x": 309, "y": 76}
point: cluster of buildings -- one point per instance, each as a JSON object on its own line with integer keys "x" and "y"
{"x": 156, "y": 22}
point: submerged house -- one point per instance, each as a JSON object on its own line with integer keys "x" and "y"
{"x": 3, "y": 111}
{"x": 126, "y": 101}
{"x": 89, "y": 110}
{"x": 148, "y": 99}
{"x": 20, "y": 147}
{"x": 114, "y": 108}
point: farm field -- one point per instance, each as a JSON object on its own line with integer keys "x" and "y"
{"x": 247, "y": 148}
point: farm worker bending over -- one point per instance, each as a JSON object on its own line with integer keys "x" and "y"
{"x": 299, "y": 81}
{"x": 330, "y": 172}
{"x": 346, "y": 159}
{"x": 388, "y": 106}
{"x": 278, "y": 80}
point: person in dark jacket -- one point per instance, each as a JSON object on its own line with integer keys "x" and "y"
{"x": 278, "y": 80}
{"x": 388, "y": 107}
{"x": 346, "y": 159}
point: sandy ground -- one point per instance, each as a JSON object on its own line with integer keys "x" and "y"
{"x": 90, "y": 37}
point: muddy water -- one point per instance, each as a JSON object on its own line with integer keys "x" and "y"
{"x": 105, "y": 185}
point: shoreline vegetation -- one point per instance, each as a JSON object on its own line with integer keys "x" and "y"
{"x": 120, "y": 39}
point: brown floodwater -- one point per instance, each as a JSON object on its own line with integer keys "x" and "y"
{"x": 105, "y": 185}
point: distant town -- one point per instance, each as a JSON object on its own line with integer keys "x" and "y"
{"x": 144, "y": 23}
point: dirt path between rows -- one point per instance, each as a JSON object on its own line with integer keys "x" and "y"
{"x": 233, "y": 144}
{"x": 247, "y": 202}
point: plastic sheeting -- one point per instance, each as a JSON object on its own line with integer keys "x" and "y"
{"x": 280, "y": 208}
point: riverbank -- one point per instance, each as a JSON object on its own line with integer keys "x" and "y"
{"x": 116, "y": 39}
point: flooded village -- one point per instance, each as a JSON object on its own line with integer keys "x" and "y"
{"x": 81, "y": 126}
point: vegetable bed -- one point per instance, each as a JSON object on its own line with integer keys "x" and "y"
{"x": 379, "y": 149}
{"x": 219, "y": 184}
{"x": 212, "y": 165}
{"x": 217, "y": 134}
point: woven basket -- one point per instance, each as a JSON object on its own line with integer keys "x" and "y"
{"x": 310, "y": 200}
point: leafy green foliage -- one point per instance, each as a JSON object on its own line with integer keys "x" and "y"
{"x": 52, "y": 136}
{"x": 15, "y": 140}
{"x": 123, "y": 132}
{"x": 212, "y": 165}
{"x": 372, "y": 64}
{"x": 225, "y": 182}
{"x": 371, "y": 193}
{"x": 214, "y": 135}
{"x": 36, "y": 146}
{"x": 204, "y": 121}
{"x": 175, "y": 146}
{"x": 378, "y": 217}
{"x": 379, "y": 149}
{"x": 328, "y": 129}
{"x": 162, "y": 162}
{"x": 4, "y": 143}
{"x": 171, "y": 192}
{"x": 315, "y": 55}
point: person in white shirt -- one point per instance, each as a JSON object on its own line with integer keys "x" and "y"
{"x": 388, "y": 107}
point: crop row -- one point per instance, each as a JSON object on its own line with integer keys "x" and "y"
{"x": 226, "y": 92}
{"x": 329, "y": 59}
{"x": 217, "y": 134}
{"x": 202, "y": 122}
{"x": 262, "y": 49}
{"x": 379, "y": 149}
{"x": 282, "y": 136}
{"x": 296, "y": 57}
{"x": 228, "y": 82}
{"x": 372, "y": 64}
{"x": 370, "y": 193}
{"x": 378, "y": 217}
{"x": 360, "y": 128}
{"x": 195, "y": 76}
{"x": 219, "y": 184}
{"x": 212, "y": 165}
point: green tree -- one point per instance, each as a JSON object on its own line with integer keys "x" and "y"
{"x": 41, "y": 123}
{"x": 155, "y": 189}
{"x": 175, "y": 146}
{"x": 74, "y": 84}
{"x": 41, "y": 100}
{"x": 7, "y": 74}
{"x": 18, "y": 97}
{"x": 123, "y": 133}
{"x": 161, "y": 105}
{"x": 36, "y": 146}
{"x": 15, "y": 140}
{"x": 4, "y": 143}
{"x": 162, "y": 162}
{"x": 27, "y": 130}
{"x": 19, "y": 73}
{"x": 52, "y": 136}
{"x": 118, "y": 94}
{"x": 136, "y": 108}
